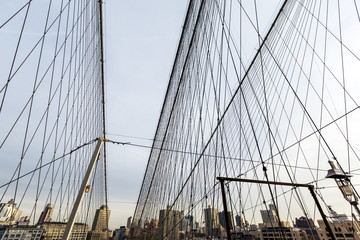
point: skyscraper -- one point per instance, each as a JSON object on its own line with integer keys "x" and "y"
{"x": 46, "y": 214}
{"x": 223, "y": 222}
{"x": 191, "y": 221}
{"x": 211, "y": 221}
{"x": 269, "y": 216}
{"x": 128, "y": 224}
{"x": 101, "y": 219}
{"x": 9, "y": 212}
{"x": 239, "y": 221}
{"x": 99, "y": 230}
{"x": 169, "y": 224}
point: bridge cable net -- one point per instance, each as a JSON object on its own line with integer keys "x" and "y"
{"x": 51, "y": 110}
{"x": 257, "y": 91}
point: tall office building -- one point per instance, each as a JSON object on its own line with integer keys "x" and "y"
{"x": 211, "y": 221}
{"x": 9, "y": 212}
{"x": 307, "y": 225}
{"x": 99, "y": 230}
{"x": 185, "y": 225}
{"x": 169, "y": 224}
{"x": 46, "y": 214}
{"x": 269, "y": 216}
{"x": 191, "y": 221}
{"x": 239, "y": 221}
{"x": 128, "y": 224}
{"x": 101, "y": 219}
{"x": 223, "y": 222}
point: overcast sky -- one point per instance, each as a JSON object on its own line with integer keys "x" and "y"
{"x": 141, "y": 39}
{"x": 141, "y": 42}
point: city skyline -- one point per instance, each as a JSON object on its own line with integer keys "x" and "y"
{"x": 176, "y": 225}
{"x": 180, "y": 98}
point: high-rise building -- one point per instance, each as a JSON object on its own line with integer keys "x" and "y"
{"x": 223, "y": 222}
{"x": 185, "y": 225}
{"x": 307, "y": 224}
{"x": 99, "y": 230}
{"x": 239, "y": 221}
{"x": 9, "y": 212}
{"x": 101, "y": 219}
{"x": 191, "y": 221}
{"x": 46, "y": 214}
{"x": 304, "y": 222}
{"x": 169, "y": 226}
{"x": 269, "y": 216}
{"x": 129, "y": 220}
{"x": 211, "y": 221}
{"x": 121, "y": 233}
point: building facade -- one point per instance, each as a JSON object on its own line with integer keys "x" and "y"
{"x": 212, "y": 225}
{"x": 223, "y": 222}
{"x": 271, "y": 231}
{"x": 169, "y": 225}
{"x": 128, "y": 224}
{"x": 55, "y": 231}
{"x": 101, "y": 219}
{"x": 308, "y": 225}
{"x": 21, "y": 233}
{"x": 344, "y": 230}
{"x": 269, "y": 216}
{"x": 239, "y": 221}
{"x": 9, "y": 213}
{"x": 99, "y": 229}
{"x": 46, "y": 214}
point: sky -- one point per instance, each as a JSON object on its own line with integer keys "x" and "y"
{"x": 141, "y": 39}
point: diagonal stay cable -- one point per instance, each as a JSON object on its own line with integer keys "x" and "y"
{"x": 177, "y": 92}
{"x": 14, "y": 57}
{"x": 230, "y": 102}
{"x": 16, "y": 13}
{"x": 48, "y": 163}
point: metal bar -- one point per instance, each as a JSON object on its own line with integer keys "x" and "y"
{"x": 225, "y": 209}
{"x": 80, "y": 195}
{"x": 309, "y": 186}
{"x": 332, "y": 235}
{"x": 263, "y": 182}
{"x": 355, "y": 205}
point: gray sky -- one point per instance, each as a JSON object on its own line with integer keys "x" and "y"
{"x": 141, "y": 42}
{"x": 141, "y": 39}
